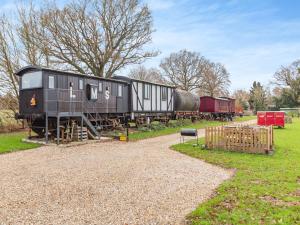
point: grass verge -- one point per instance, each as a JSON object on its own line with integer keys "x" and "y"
{"x": 244, "y": 118}
{"x": 171, "y": 130}
{"x": 13, "y": 142}
{"x": 265, "y": 189}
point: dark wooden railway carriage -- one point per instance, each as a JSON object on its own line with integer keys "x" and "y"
{"x": 50, "y": 97}
{"x": 53, "y": 101}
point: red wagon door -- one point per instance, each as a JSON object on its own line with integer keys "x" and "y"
{"x": 270, "y": 118}
{"x": 261, "y": 118}
{"x": 279, "y": 119}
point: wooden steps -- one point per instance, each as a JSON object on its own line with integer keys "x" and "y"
{"x": 78, "y": 133}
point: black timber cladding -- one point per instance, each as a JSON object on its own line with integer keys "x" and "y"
{"x": 60, "y": 99}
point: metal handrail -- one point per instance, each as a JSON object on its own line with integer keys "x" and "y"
{"x": 64, "y": 98}
{"x": 66, "y": 103}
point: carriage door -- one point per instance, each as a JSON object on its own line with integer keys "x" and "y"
{"x": 122, "y": 103}
{"x": 73, "y": 93}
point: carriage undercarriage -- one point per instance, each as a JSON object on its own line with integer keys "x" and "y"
{"x": 66, "y": 128}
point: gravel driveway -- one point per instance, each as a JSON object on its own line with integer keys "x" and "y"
{"x": 105, "y": 183}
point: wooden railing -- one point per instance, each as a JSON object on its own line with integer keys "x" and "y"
{"x": 250, "y": 139}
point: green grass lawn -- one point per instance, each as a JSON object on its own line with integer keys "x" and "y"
{"x": 265, "y": 188}
{"x": 244, "y": 118}
{"x": 13, "y": 142}
{"x": 170, "y": 130}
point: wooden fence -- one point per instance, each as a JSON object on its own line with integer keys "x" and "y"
{"x": 250, "y": 139}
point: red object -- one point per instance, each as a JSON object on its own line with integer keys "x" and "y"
{"x": 274, "y": 118}
{"x": 280, "y": 119}
{"x": 217, "y": 105}
{"x": 231, "y": 105}
{"x": 261, "y": 118}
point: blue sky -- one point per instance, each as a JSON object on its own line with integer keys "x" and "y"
{"x": 251, "y": 38}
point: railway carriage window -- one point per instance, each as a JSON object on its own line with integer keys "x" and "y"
{"x": 32, "y": 80}
{"x": 164, "y": 93}
{"x": 51, "y": 83}
{"x": 100, "y": 86}
{"x": 91, "y": 92}
{"x": 120, "y": 90}
{"x": 147, "y": 91}
{"x": 80, "y": 84}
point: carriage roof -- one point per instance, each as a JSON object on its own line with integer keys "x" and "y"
{"x": 129, "y": 80}
{"x": 26, "y": 69}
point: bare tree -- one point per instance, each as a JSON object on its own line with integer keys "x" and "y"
{"x": 33, "y": 53}
{"x": 97, "y": 37}
{"x": 142, "y": 73}
{"x": 289, "y": 77}
{"x": 184, "y": 69}
{"x": 10, "y": 57}
{"x": 214, "y": 80}
{"x": 16, "y": 50}
{"x": 241, "y": 98}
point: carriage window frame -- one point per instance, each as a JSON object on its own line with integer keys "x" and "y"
{"x": 100, "y": 88}
{"x": 51, "y": 82}
{"x": 80, "y": 84}
{"x": 35, "y": 80}
{"x": 164, "y": 93}
{"x": 89, "y": 93}
{"x": 120, "y": 90}
{"x": 147, "y": 91}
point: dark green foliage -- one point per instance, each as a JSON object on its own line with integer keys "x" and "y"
{"x": 156, "y": 125}
{"x": 143, "y": 129}
{"x": 258, "y": 97}
{"x": 288, "y": 79}
{"x": 287, "y": 99}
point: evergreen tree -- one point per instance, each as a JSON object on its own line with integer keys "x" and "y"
{"x": 258, "y": 97}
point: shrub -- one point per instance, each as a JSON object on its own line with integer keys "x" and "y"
{"x": 173, "y": 123}
{"x": 156, "y": 125}
{"x": 143, "y": 129}
{"x": 183, "y": 122}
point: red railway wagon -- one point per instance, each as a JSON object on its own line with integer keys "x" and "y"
{"x": 218, "y": 107}
{"x": 271, "y": 118}
{"x": 231, "y": 104}
{"x": 214, "y": 105}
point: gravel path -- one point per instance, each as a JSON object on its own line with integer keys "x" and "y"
{"x": 105, "y": 183}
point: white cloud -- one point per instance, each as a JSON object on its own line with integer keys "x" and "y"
{"x": 251, "y": 43}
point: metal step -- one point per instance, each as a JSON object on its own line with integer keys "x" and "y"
{"x": 90, "y": 126}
